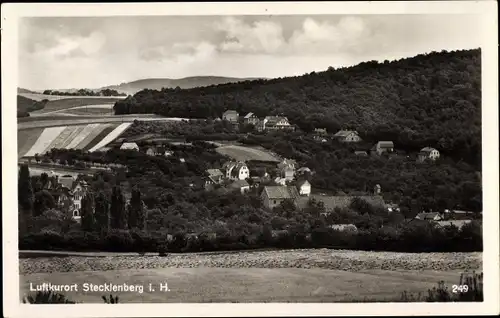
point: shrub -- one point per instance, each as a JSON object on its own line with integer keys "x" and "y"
{"x": 119, "y": 241}
{"x": 162, "y": 251}
{"x": 110, "y": 299}
{"x": 47, "y": 297}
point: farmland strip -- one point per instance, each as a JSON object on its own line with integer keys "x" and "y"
{"x": 26, "y": 139}
{"x": 112, "y": 136}
{"x": 56, "y": 143}
{"x": 46, "y": 137}
{"x": 74, "y": 133}
{"x": 99, "y": 138}
{"x": 96, "y": 131}
{"x": 86, "y": 130}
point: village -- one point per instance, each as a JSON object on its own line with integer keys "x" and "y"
{"x": 283, "y": 180}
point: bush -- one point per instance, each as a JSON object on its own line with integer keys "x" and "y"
{"x": 119, "y": 241}
{"x": 162, "y": 251}
{"x": 47, "y": 297}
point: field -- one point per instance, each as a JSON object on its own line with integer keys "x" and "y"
{"x": 39, "y": 97}
{"x": 264, "y": 276}
{"x": 88, "y": 137}
{"x": 71, "y": 103}
{"x": 242, "y": 153}
{"x": 91, "y": 109}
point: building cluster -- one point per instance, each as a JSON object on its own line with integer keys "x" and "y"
{"x": 268, "y": 123}
{"x": 68, "y": 193}
{"x": 458, "y": 218}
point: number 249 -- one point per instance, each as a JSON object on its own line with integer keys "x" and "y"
{"x": 460, "y": 288}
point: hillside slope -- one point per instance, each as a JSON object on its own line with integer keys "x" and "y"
{"x": 184, "y": 83}
{"x": 428, "y": 100}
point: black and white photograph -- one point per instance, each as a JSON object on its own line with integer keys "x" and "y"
{"x": 183, "y": 154}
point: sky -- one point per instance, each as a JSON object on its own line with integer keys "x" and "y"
{"x": 91, "y": 52}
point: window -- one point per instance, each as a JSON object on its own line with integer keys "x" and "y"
{"x": 274, "y": 201}
{"x": 75, "y": 213}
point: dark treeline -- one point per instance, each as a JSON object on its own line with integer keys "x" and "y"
{"x": 85, "y": 92}
{"x": 26, "y": 105}
{"x": 428, "y": 100}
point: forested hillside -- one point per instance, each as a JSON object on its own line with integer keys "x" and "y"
{"x": 428, "y": 100}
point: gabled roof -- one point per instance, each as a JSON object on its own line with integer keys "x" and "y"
{"x": 341, "y": 201}
{"x": 249, "y": 115}
{"x": 281, "y": 192}
{"x": 345, "y": 133}
{"x": 344, "y": 227}
{"x": 129, "y": 145}
{"x": 427, "y": 215}
{"x": 360, "y": 152}
{"x": 275, "y": 119}
{"x": 304, "y": 169}
{"x": 427, "y": 149}
{"x": 385, "y": 144}
{"x": 214, "y": 172}
{"x": 229, "y": 111}
{"x": 239, "y": 184}
{"x": 237, "y": 167}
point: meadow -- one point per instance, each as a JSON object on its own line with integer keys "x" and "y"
{"x": 263, "y": 276}
{"x": 244, "y": 153}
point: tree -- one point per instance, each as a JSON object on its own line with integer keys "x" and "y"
{"x": 136, "y": 214}
{"x": 101, "y": 215}
{"x": 25, "y": 193}
{"x": 87, "y": 213}
{"x": 117, "y": 211}
{"x": 43, "y": 202}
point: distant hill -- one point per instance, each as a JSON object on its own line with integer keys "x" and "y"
{"x": 186, "y": 82}
{"x": 26, "y": 105}
{"x": 428, "y": 100}
{"x": 24, "y": 91}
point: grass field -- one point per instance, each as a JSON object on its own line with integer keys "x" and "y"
{"x": 242, "y": 153}
{"x": 39, "y": 97}
{"x": 67, "y": 103}
{"x": 249, "y": 284}
{"x": 26, "y": 139}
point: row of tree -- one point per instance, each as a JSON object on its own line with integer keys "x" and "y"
{"x": 85, "y": 92}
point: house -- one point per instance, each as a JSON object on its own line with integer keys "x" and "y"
{"x": 287, "y": 163}
{"x": 383, "y": 146}
{"x": 273, "y": 196}
{"x": 214, "y": 176}
{"x": 320, "y": 139}
{"x": 304, "y": 187}
{"x": 251, "y": 118}
{"x": 241, "y": 185}
{"x": 70, "y": 193}
{"x": 231, "y": 116}
{"x": 182, "y": 160}
{"x": 151, "y": 151}
{"x": 429, "y": 216}
{"x": 129, "y": 146}
{"x": 276, "y": 123}
{"x": 428, "y": 153}
{"x": 236, "y": 170}
{"x": 361, "y": 153}
{"x": 287, "y": 173}
{"x": 347, "y": 136}
{"x": 320, "y": 131}
{"x": 391, "y": 207}
{"x": 344, "y": 228}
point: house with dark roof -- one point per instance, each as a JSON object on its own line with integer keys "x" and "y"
{"x": 428, "y": 153}
{"x": 251, "y": 118}
{"x": 347, "y": 136}
{"x": 458, "y": 223}
{"x": 320, "y": 131}
{"x": 273, "y": 196}
{"x": 383, "y": 146}
{"x": 344, "y": 228}
{"x": 361, "y": 153}
{"x": 231, "y": 116}
{"x": 303, "y": 170}
{"x": 213, "y": 177}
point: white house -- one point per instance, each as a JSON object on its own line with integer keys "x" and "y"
{"x": 276, "y": 123}
{"x": 428, "y": 153}
{"x": 347, "y": 136}
{"x": 383, "y": 146}
{"x": 129, "y": 146}
{"x": 304, "y": 188}
{"x": 236, "y": 170}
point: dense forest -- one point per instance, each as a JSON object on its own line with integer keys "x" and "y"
{"x": 429, "y": 100}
